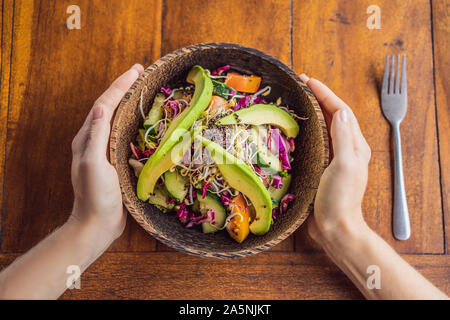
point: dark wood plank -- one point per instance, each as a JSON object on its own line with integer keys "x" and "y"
{"x": 6, "y": 33}
{"x": 264, "y": 276}
{"x": 56, "y": 76}
{"x": 441, "y": 36}
{"x": 264, "y": 25}
{"x": 331, "y": 42}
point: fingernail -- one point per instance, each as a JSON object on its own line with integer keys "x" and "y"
{"x": 343, "y": 115}
{"x": 97, "y": 113}
{"x": 138, "y": 67}
{"x": 304, "y": 78}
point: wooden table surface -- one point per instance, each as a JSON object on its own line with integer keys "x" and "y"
{"x": 51, "y": 75}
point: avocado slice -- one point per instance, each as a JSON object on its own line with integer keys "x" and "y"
{"x": 149, "y": 177}
{"x": 264, "y": 114}
{"x": 200, "y": 100}
{"x": 242, "y": 178}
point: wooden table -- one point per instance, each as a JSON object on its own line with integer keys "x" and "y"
{"x": 51, "y": 75}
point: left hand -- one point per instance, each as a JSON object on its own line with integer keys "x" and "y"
{"x": 98, "y": 200}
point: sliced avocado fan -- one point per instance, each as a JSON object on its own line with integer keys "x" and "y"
{"x": 153, "y": 168}
{"x": 242, "y": 178}
{"x": 264, "y": 114}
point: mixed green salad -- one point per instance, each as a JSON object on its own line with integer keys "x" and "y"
{"x": 216, "y": 153}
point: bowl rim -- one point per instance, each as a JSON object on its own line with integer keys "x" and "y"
{"x": 115, "y": 129}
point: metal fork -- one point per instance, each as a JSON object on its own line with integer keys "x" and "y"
{"x": 394, "y": 101}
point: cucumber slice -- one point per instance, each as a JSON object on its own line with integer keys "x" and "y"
{"x": 196, "y": 205}
{"x": 264, "y": 158}
{"x": 176, "y": 184}
{"x": 259, "y": 135}
{"x": 156, "y": 112}
{"x": 277, "y": 194}
{"x": 142, "y": 144}
{"x": 160, "y": 198}
{"x": 178, "y": 94}
{"x": 140, "y": 140}
{"x": 212, "y": 202}
{"x": 269, "y": 161}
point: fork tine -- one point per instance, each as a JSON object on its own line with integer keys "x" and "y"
{"x": 397, "y": 78}
{"x": 386, "y": 76}
{"x": 403, "y": 89}
{"x": 392, "y": 76}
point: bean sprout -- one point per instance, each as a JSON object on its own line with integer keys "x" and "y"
{"x": 263, "y": 91}
{"x": 140, "y": 105}
{"x": 170, "y": 95}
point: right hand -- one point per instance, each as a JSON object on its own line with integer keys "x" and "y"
{"x": 337, "y": 206}
{"x": 98, "y": 200}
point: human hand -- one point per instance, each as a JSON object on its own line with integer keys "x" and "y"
{"x": 98, "y": 200}
{"x": 337, "y": 207}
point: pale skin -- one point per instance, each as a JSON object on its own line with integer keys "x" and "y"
{"x": 98, "y": 217}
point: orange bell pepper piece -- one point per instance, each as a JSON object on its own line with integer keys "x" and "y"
{"x": 217, "y": 103}
{"x": 238, "y": 227}
{"x": 248, "y": 84}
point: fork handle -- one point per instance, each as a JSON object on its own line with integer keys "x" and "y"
{"x": 401, "y": 224}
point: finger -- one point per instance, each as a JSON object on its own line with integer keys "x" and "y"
{"x": 342, "y": 134}
{"x": 330, "y": 104}
{"x": 110, "y": 99}
{"x": 361, "y": 146}
{"x": 107, "y": 102}
{"x": 328, "y": 100}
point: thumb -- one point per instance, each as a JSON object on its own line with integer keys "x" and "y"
{"x": 342, "y": 133}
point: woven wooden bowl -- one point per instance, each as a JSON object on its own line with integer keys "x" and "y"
{"x": 311, "y": 146}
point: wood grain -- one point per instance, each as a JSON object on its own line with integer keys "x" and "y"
{"x": 285, "y": 245}
{"x": 243, "y": 22}
{"x": 56, "y": 76}
{"x": 333, "y": 44}
{"x": 175, "y": 276}
{"x": 6, "y": 33}
{"x": 441, "y": 36}
{"x": 262, "y": 24}
{"x": 172, "y": 275}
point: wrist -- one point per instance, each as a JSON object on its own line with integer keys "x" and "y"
{"x": 110, "y": 225}
{"x": 349, "y": 228}
{"x": 91, "y": 232}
